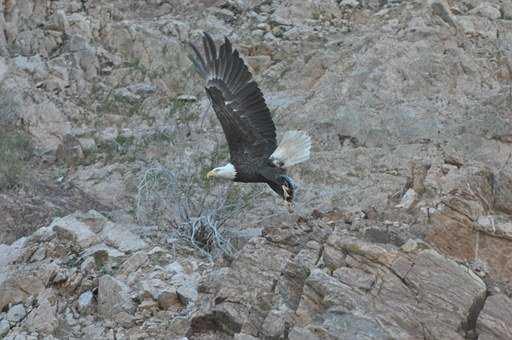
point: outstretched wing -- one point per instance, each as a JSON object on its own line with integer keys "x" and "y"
{"x": 236, "y": 100}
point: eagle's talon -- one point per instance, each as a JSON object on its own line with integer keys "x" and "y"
{"x": 286, "y": 191}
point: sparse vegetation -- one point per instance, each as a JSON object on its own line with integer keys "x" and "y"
{"x": 15, "y": 150}
{"x": 191, "y": 210}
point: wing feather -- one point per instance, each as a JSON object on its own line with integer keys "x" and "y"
{"x": 236, "y": 100}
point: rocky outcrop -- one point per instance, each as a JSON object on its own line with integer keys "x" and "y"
{"x": 403, "y": 224}
{"x": 469, "y": 221}
{"x": 84, "y": 276}
{"x": 302, "y": 279}
{"x": 494, "y": 320}
{"x": 373, "y": 291}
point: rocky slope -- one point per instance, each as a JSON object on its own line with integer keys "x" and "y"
{"x": 403, "y": 225}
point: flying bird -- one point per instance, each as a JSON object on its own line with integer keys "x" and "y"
{"x": 255, "y": 156}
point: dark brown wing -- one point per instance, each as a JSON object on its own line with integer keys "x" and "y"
{"x": 237, "y": 101}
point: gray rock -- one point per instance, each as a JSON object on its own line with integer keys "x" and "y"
{"x": 408, "y": 200}
{"x": 442, "y": 10}
{"x": 479, "y": 26}
{"x": 125, "y": 95}
{"x": 114, "y": 301}
{"x": 9, "y": 253}
{"x": 35, "y": 66}
{"x": 43, "y": 319}
{"x": 299, "y": 333}
{"x": 4, "y": 327}
{"x": 108, "y": 253}
{"x": 85, "y": 302}
{"x": 70, "y": 228}
{"x": 3, "y": 69}
{"x": 504, "y": 191}
{"x": 133, "y": 263}
{"x": 495, "y": 318}
{"x": 486, "y": 10}
{"x": 241, "y": 336}
{"x": 16, "y": 313}
{"x": 122, "y": 238}
{"x": 355, "y": 277}
{"x": 350, "y": 3}
{"x": 187, "y": 98}
{"x": 186, "y": 286}
{"x": 88, "y": 145}
{"x": 142, "y": 89}
{"x": 18, "y": 283}
{"x": 506, "y": 10}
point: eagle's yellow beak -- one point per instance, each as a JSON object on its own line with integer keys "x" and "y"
{"x": 210, "y": 174}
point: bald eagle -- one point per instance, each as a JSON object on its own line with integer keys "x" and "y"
{"x": 247, "y": 123}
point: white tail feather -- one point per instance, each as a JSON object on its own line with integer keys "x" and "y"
{"x": 293, "y": 149}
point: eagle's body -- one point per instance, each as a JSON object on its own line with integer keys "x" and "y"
{"x": 247, "y": 122}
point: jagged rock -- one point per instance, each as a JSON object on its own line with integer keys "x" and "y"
{"x": 495, "y": 318}
{"x": 408, "y": 200}
{"x": 43, "y": 319}
{"x": 9, "y": 253}
{"x": 169, "y": 301}
{"x": 374, "y": 84}
{"x": 245, "y": 291}
{"x": 102, "y": 255}
{"x": 133, "y": 263}
{"x": 463, "y": 226}
{"x": 70, "y": 228}
{"x": 260, "y": 62}
{"x": 16, "y": 313}
{"x": 355, "y": 277}
{"x": 17, "y": 282}
{"x": 4, "y": 327}
{"x": 88, "y": 145}
{"x": 152, "y": 288}
{"x": 486, "y": 10}
{"x": 186, "y": 287}
{"x": 148, "y": 304}
{"x": 478, "y": 26}
{"x": 85, "y": 302}
{"x": 414, "y": 246}
{"x": 122, "y": 238}
{"x": 114, "y": 301}
{"x": 330, "y": 302}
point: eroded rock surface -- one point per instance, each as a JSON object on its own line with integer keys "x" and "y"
{"x": 403, "y": 224}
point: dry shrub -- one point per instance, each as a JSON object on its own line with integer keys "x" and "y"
{"x": 194, "y": 211}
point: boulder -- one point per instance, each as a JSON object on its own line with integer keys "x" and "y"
{"x": 114, "y": 300}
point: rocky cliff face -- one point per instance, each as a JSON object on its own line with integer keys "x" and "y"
{"x": 403, "y": 225}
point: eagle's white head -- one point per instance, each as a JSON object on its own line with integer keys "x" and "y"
{"x": 227, "y": 171}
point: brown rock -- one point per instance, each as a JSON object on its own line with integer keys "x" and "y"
{"x": 19, "y": 282}
{"x": 464, "y": 227}
{"x": 69, "y": 151}
{"x": 169, "y": 301}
